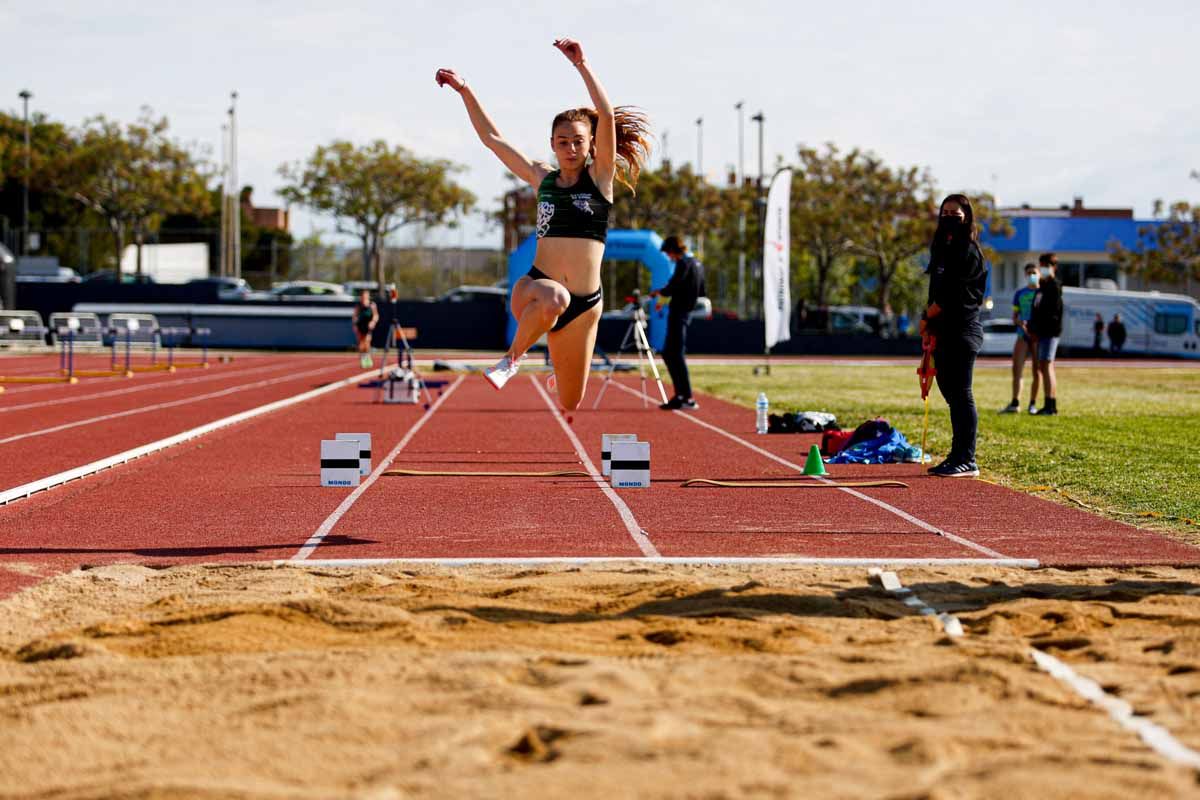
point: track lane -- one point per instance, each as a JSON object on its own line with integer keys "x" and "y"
{"x": 435, "y": 517}
{"x": 28, "y": 459}
{"x": 249, "y": 492}
{"x": 1014, "y": 523}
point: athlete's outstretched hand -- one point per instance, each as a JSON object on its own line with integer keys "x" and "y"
{"x": 448, "y": 77}
{"x": 571, "y": 49}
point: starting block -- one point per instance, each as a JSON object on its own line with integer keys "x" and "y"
{"x": 630, "y": 465}
{"x": 340, "y": 462}
{"x": 606, "y": 441}
{"x": 364, "y": 450}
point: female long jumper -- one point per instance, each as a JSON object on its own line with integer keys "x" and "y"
{"x": 560, "y": 296}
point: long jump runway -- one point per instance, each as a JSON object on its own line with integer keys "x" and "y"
{"x": 249, "y": 491}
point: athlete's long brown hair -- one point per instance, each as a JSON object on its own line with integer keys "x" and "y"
{"x": 633, "y": 137}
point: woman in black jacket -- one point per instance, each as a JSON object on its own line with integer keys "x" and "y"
{"x": 957, "y": 282}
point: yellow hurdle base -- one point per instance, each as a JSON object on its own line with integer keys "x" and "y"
{"x": 103, "y": 373}
{"x": 192, "y": 365}
{"x": 154, "y": 368}
{"x": 39, "y": 379}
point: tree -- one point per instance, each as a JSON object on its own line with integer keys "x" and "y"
{"x": 1166, "y": 251}
{"x": 132, "y": 177}
{"x": 373, "y": 191}
{"x": 823, "y": 211}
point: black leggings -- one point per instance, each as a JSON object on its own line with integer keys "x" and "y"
{"x": 673, "y": 354}
{"x": 955, "y": 363}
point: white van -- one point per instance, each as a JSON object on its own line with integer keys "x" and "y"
{"x": 1155, "y": 323}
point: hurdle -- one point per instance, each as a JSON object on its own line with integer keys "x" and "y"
{"x": 176, "y": 336}
{"x": 25, "y": 327}
{"x": 145, "y": 330}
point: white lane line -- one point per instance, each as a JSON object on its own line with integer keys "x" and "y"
{"x": 145, "y": 387}
{"x": 696, "y": 560}
{"x": 169, "y": 404}
{"x": 325, "y": 527}
{"x": 891, "y": 584}
{"x": 1156, "y": 737}
{"x": 25, "y": 490}
{"x": 904, "y": 515}
{"x": 631, "y": 524}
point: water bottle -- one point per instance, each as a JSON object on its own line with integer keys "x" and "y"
{"x": 760, "y": 413}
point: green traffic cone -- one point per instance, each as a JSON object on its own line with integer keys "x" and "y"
{"x": 813, "y": 465}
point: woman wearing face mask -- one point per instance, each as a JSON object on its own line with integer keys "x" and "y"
{"x": 957, "y": 282}
{"x": 561, "y": 295}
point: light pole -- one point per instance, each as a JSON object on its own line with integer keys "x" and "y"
{"x": 759, "y": 205}
{"x": 25, "y": 95}
{"x": 700, "y": 146}
{"x": 741, "y": 179}
{"x": 235, "y": 212}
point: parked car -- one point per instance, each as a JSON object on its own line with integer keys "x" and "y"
{"x": 309, "y": 290}
{"x": 999, "y": 337}
{"x": 470, "y": 294}
{"x": 854, "y": 319}
{"x": 227, "y": 288}
{"x": 62, "y": 275}
{"x": 703, "y": 310}
{"x": 354, "y": 287}
{"x": 112, "y": 276}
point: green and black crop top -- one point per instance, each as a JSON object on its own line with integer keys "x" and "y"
{"x": 575, "y": 212}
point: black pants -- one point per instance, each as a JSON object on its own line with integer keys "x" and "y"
{"x": 673, "y": 355}
{"x": 955, "y": 363}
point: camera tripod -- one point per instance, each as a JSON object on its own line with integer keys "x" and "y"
{"x": 635, "y": 336}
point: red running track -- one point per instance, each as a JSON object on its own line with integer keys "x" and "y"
{"x": 249, "y": 492}
{"x": 35, "y": 441}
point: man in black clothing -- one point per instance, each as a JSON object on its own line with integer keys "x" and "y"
{"x": 1116, "y": 333}
{"x": 685, "y": 286}
{"x": 1045, "y": 324}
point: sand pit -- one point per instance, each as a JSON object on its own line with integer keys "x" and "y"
{"x": 613, "y": 681}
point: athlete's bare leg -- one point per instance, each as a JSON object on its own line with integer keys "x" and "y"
{"x": 571, "y": 352}
{"x": 536, "y": 305}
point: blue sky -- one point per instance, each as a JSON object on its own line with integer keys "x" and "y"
{"x": 1036, "y": 101}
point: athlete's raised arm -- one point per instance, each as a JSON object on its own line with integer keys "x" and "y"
{"x": 605, "y": 158}
{"x": 532, "y": 172}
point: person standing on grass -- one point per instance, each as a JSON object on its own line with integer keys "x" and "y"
{"x": 366, "y": 317}
{"x": 1046, "y": 323}
{"x": 561, "y": 297}
{"x": 1023, "y": 347}
{"x": 957, "y": 283}
{"x": 684, "y": 288}
{"x": 1116, "y": 334}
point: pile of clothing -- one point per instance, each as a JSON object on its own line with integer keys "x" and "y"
{"x": 873, "y": 442}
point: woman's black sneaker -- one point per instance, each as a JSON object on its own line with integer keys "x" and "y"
{"x": 946, "y": 470}
{"x": 932, "y": 470}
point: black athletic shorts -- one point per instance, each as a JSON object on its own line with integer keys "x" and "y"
{"x": 578, "y": 305}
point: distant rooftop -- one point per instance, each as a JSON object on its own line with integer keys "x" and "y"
{"x": 1076, "y": 209}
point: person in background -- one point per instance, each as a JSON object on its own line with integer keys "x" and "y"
{"x": 1046, "y": 324}
{"x": 1116, "y": 334}
{"x": 1097, "y": 332}
{"x": 366, "y": 317}
{"x": 902, "y": 325}
{"x": 685, "y": 286}
{"x": 957, "y": 282}
{"x": 1023, "y": 348}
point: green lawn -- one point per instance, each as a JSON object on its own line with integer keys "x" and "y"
{"x": 1126, "y": 440}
